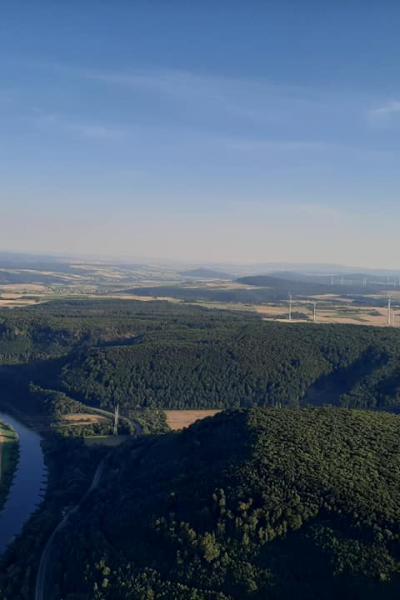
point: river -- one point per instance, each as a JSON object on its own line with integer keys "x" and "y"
{"x": 27, "y": 488}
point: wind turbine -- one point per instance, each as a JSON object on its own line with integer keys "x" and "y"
{"x": 314, "y": 311}
{"x": 389, "y": 316}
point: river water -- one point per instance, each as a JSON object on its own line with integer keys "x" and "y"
{"x": 27, "y": 489}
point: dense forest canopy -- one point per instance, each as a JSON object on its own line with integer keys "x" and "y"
{"x": 164, "y": 355}
{"x": 267, "y": 502}
{"x": 264, "y": 503}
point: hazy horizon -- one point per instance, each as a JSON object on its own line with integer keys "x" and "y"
{"x": 26, "y": 258}
{"x": 201, "y": 133}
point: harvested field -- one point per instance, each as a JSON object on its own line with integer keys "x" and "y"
{"x": 80, "y": 418}
{"x": 341, "y": 313}
{"x": 21, "y": 302}
{"x": 179, "y": 419}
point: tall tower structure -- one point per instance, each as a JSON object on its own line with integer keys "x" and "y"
{"x": 116, "y": 419}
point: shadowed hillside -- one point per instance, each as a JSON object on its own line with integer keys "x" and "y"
{"x": 252, "y": 504}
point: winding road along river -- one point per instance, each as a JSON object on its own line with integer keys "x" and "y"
{"x": 27, "y": 489}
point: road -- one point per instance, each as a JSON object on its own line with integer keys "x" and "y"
{"x": 40, "y": 589}
{"x": 107, "y": 413}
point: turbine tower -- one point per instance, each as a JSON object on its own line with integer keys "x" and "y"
{"x": 389, "y": 316}
{"x": 314, "y": 311}
{"x": 116, "y": 419}
{"x": 290, "y": 307}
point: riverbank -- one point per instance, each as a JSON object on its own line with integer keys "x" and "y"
{"x": 25, "y": 493}
{"x": 71, "y": 466}
{"x": 9, "y": 455}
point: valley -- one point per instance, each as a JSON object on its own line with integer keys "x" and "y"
{"x": 193, "y": 386}
{"x": 199, "y": 300}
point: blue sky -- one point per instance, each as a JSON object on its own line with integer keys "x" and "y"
{"x": 215, "y": 131}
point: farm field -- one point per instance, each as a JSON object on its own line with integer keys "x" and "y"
{"x": 84, "y": 419}
{"x": 180, "y": 419}
{"x": 27, "y": 285}
{"x": 329, "y": 310}
{"x": 343, "y": 312}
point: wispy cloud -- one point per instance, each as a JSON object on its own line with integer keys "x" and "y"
{"x": 250, "y": 99}
{"x": 249, "y": 146}
{"x": 216, "y": 102}
{"x": 166, "y": 81}
{"x": 385, "y": 111}
{"x": 68, "y": 125}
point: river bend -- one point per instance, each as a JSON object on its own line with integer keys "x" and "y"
{"x": 27, "y": 489}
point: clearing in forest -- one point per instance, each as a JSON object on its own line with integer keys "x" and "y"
{"x": 179, "y": 419}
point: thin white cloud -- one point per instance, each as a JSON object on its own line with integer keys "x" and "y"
{"x": 65, "y": 124}
{"x": 250, "y": 99}
{"x": 386, "y": 110}
{"x": 178, "y": 85}
{"x": 210, "y": 100}
{"x": 249, "y": 146}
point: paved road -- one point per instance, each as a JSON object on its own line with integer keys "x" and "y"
{"x": 107, "y": 413}
{"x": 40, "y": 589}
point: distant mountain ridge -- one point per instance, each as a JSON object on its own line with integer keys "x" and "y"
{"x": 206, "y": 273}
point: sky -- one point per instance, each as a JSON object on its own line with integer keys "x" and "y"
{"x": 227, "y": 131}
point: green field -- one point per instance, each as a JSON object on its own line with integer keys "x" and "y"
{"x": 8, "y": 460}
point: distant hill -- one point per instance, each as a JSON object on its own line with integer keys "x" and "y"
{"x": 274, "y": 280}
{"x": 354, "y": 279}
{"x": 285, "y": 283}
{"x": 204, "y": 273}
{"x": 255, "y": 504}
{"x": 302, "y": 285}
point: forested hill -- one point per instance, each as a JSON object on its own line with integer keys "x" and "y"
{"x": 239, "y": 363}
{"x": 266, "y": 503}
{"x": 164, "y": 355}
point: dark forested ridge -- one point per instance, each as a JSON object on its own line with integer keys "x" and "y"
{"x": 285, "y": 283}
{"x": 232, "y": 365}
{"x": 161, "y": 355}
{"x": 205, "y": 273}
{"x": 260, "y": 503}
{"x": 258, "y": 289}
{"x": 264, "y": 503}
